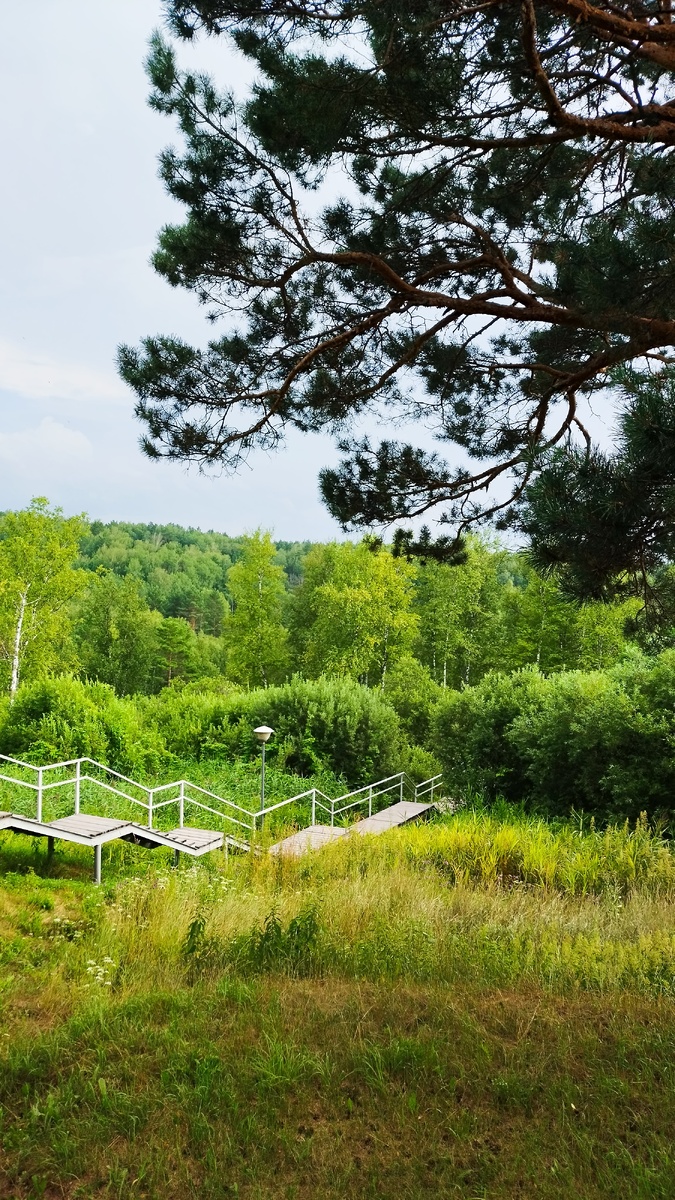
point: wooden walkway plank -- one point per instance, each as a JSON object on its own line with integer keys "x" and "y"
{"x": 311, "y": 838}
{"x": 192, "y": 841}
{"x": 316, "y": 836}
{"x": 396, "y": 814}
{"x": 195, "y": 840}
{"x": 89, "y": 827}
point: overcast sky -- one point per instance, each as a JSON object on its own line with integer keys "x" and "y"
{"x": 80, "y": 207}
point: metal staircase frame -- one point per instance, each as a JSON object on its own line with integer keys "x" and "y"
{"x": 236, "y": 822}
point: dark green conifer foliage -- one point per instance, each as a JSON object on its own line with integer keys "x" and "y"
{"x": 606, "y": 524}
{"x": 501, "y": 235}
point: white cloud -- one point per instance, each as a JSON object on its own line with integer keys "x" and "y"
{"x": 38, "y": 377}
{"x": 47, "y": 450}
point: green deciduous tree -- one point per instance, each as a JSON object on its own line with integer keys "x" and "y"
{"x": 38, "y": 547}
{"x": 504, "y": 236}
{"x": 541, "y": 626}
{"x": 353, "y": 614}
{"x": 116, "y": 633}
{"x": 412, "y": 693}
{"x": 256, "y": 636}
{"x": 460, "y": 616}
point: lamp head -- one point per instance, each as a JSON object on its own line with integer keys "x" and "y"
{"x": 263, "y": 734}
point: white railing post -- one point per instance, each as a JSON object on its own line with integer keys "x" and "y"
{"x": 401, "y": 786}
{"x": 181, "y": 809}
{"x": 39, "y": 795}
{"x": 332, "y": 813}
{"x": 78, "y": 770}
{"x": 370, "y": 801}
{"x": 150, "y": 800}
{"x": 314, "y": 807}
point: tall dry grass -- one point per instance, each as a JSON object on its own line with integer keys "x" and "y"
{"x": 472, "y": 897}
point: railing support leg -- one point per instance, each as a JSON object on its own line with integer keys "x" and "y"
{"x": 50, "y": 847}
{"x": 97, "y": 864}
{"x": 176, "y": 857}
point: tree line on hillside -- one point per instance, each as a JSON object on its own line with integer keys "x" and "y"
{"x": 364, "y": 664}
{"x": 145, "y": 607}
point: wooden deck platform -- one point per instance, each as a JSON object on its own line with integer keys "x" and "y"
{"x": 316, "y": 836}
{"x": 86, "y": 829}
{"x": 192, "y": 841}
{"x": 396, "y": 814}
{"x": 311, "y": 838}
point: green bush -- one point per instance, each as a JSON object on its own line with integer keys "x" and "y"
{"x": 470, "y": 733}
{"x": 411, "y": 691}
{"x": 322, "y": 723}
{"x": 63, "y": 718}
{"x": 593, "y": 745}
{"x": 602, "y": 742}
{"x": 192, "y": 719}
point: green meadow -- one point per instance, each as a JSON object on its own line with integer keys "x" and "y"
{"x": 477, "y": 1007}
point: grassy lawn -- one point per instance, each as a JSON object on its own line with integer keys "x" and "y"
{"x": 478, "y": 1008}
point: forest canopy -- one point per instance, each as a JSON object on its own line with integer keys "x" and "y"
{"x": 146, "y": 645}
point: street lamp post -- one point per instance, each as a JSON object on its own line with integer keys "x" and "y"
{"x": 263, "y": 734}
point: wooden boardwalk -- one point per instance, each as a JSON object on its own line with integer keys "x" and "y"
{"x": 311, "y": 838}
{"x": 397, "y": 814}
{"x": 90, "y": 829}
{"x": 86, "y": 829}
{"x": 316, "y": 836}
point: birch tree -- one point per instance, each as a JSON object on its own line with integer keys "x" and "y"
{"x": 460, "y": 632}
{"x": 353, "y": 614}
{"x": 38, "y": 580}
{"x": 256, "y": 636}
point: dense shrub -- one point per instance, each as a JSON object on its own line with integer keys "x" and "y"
{"x": 470, "y": 733}
{"x": 599, "y": 741}
{"x": 333, "y": 723}
{"x": 336, "y": 723}
{"x": 323, "y": 724}
{"x": 60, "y": 719}
{"x": 411, "y": 691}
{"x": 192, "y": 719}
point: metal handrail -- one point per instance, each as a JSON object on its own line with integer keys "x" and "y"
{"x": 204, "y": 791}
{"x": 334, "y": 807}
{"x": 19, "y": 763}
{"x": 428, "y": 786}
{"x": 21, "y": 782}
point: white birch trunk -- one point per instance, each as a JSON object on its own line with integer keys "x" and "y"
{"x": 16, "y": 652}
